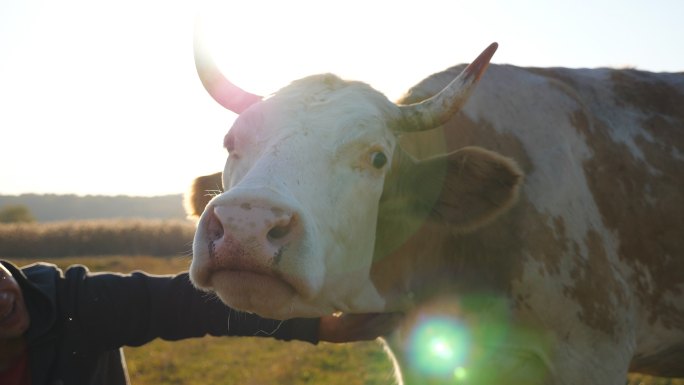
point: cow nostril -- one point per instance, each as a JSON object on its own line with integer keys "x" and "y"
{"x": 214, "y": 227}
{"x": 281, "y": 230}
{"x": 278, "y": 232}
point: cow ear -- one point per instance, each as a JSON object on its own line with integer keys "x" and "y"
{"x": 477, "y": 185}
{"x": 201, "y": 191}
{"x": 463, "y": 189}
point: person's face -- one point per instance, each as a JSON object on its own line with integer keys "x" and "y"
{"x": 14, "y": 318}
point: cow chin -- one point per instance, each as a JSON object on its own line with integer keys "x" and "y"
{"x": 266, "y": 295}
{"x": 272, "y": 297}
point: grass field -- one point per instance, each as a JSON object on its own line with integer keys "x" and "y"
{"x": 248, "y": 361}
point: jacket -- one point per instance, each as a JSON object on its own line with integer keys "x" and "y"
{"x": 80, "y": 320}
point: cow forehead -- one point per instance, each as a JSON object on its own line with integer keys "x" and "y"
{"x": 329, "y": 110}
{"x": 328, "y": 97}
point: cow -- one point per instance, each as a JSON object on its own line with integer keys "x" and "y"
{"x": 531, "y": 230}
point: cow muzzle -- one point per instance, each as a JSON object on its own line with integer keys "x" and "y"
{"x": 248, "y": 237}
{"x": 251, "y": 252}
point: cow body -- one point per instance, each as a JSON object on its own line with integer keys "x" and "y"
{"x": 592, "y": 255}
{"x": 570, "y": 274}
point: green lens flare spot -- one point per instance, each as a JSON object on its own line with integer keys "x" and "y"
{"x": 439, "y": 347}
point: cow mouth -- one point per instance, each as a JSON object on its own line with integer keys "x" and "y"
{"x": 240, "y": 277}
{"x": 249, "y": 273}
{"x": 251, "y": 291}
{"x": 248, "y": 278}
{"x": 241, "y": 262}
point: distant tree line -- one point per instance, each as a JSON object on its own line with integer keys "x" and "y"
{"x": 51, "y": 207}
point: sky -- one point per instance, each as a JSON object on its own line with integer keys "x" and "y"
{"x": 101, "y": 97}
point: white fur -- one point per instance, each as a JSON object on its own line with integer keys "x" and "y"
{"x": 283, "y": 152}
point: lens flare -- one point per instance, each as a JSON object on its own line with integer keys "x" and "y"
{"x": 440, "y": 347}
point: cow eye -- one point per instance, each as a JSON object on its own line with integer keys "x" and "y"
{"x": 378, "y": 159}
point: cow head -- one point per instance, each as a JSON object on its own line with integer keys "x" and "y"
{"x": 315, "y": 176}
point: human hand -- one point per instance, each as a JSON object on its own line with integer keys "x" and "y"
{"x": 357, "y": 327}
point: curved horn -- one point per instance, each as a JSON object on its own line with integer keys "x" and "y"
{"x": 221, "y": 89}
{"x": 435, "y": 111}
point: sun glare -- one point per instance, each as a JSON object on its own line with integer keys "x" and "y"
{"x": 263, "y": 47}
{"x": 146, "y": 87}
{"x": 260, "y": 50}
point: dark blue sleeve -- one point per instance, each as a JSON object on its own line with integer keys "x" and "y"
{"x": 115, "y": 310}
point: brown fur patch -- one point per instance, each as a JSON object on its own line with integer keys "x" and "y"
{"x": 201, "y": 191}
{"x": 434, "y": 260}
{"x": 620, "y": 184}
{"x": 595, "y": 288}
{"x": 642, "y": 199}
